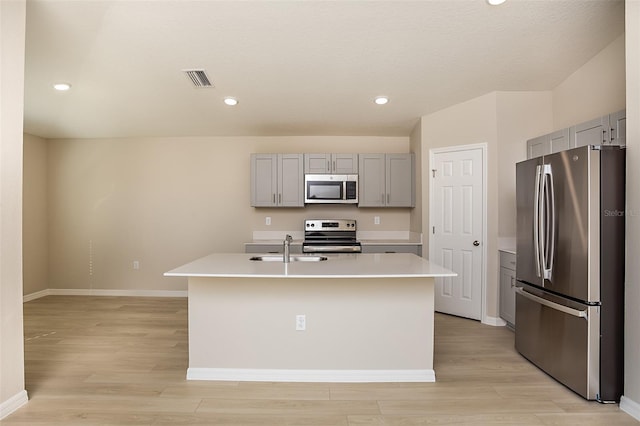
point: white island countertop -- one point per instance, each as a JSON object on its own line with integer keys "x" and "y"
{"x": 378, "y": 265}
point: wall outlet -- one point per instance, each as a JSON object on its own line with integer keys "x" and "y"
{"x": 267, "y": 221}
{"x": 301, "y": 322}
{"x": 136, "y": 264}
{"x": 376, "y": 220}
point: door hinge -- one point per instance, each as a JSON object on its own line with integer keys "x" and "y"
{"x": 433, "y": 172}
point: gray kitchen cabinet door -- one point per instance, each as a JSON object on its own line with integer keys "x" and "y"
{"x": 399, "y": 180}
{"x": 331, "y": 163}
{"x": 277, "y": 180}
{"x": 508, "y": 288}
{"x": 508, "y": 296}
{"x": 618, "y": 128}
{"x": 317, "y": 163}
{"x": 538, "y": 147}
{"x": 290, "y": 180}
{"x": 264, "y": 180}
{"x": 344, "y": 163}
{"x": 592, "y": 132}
{"x": 560, "y": 141}
{"x": 386, "y": 180}
{"x": 372, "y": 180}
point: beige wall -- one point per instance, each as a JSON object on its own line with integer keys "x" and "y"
{"x": 595, "y": 89}
{"x": 34, "y": 227}
{"x": 521, "y": 116}
{"x": 12, "y": 39}
{"x": 632, "y": 311}
{"x": 415, "y": 218}
{"x": 164, "y": 202}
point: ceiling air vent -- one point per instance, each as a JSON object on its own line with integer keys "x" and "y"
{"x": 198, "y": 78}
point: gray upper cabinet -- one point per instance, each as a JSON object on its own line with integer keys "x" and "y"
{"x": 560, "y": 141}
{"x": 277, "y": 180}
{"x": 618, "y": 128}
{"x": 607, "y": 130}
{"x": 386, "y": 180}
{"x": 331, "y": 163}
{"x": 538, "y": 147}
{"x": 592, "y": 132}
{"x": 548, "y": 144}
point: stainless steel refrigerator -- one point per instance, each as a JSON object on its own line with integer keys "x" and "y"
{"x": 570, "y": 268}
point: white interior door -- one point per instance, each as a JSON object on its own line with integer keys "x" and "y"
{"x": 457, "y": 229}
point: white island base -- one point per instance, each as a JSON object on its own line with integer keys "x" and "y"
{"x": 358, "y": 327}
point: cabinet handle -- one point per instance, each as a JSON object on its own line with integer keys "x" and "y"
{"x": 604, "y": 136}
{"x": 387, "y": 198}
{"x": 274, "y": 198}
{"x": 328, "y": 165}
{"x": 279, "y": 198}
{"x": 611, "y": 135}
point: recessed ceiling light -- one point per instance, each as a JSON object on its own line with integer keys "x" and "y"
{"x": 381, "y": 100}
{"x": 231, "y": 101}
{"x": 495, "y": 2}
{"x": 62, "y": 86}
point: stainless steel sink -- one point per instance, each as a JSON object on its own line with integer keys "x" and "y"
{"x": 280, "y": 258}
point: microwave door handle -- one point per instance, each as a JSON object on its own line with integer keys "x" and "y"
{"x": 536, "y": 221}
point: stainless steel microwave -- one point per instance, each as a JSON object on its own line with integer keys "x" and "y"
{"x": 331, "y": 189}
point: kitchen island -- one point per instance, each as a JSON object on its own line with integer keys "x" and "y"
{"x": 350, "y": 318}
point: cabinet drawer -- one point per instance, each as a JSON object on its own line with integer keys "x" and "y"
{"x": 508, "y": 260}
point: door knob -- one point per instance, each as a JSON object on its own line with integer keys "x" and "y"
{"x": 476, "y": 243}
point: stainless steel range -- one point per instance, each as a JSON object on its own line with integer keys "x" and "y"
{"x": 330, "y": 236}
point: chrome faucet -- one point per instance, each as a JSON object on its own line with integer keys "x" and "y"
{"x": 287, "y": 243}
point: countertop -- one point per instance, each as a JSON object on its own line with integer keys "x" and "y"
{"x": 353, "y": 265}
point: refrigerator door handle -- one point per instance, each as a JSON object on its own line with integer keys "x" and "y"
{"x": 567, "y": 310}
{"x": 536, "y": 220}
{"x": 550, "y": 223}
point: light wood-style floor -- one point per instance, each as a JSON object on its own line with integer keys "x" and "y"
{"x": 117, "y": 360}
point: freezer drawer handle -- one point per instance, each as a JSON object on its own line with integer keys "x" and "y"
{"x": 552, "y": 305}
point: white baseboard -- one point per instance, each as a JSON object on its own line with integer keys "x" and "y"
{"x": 34, "y": 296}
{"x": 630, "y": 407}
{"x": 12, "y": 404}
{"x": 102, "y": 292}
{"x": 331, "y": 376}
{"x": 494, "y": 321}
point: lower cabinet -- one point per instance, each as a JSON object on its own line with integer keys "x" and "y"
{"x": 508, "y": 288}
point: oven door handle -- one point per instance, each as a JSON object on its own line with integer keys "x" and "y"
{"x": 558, "y": 307}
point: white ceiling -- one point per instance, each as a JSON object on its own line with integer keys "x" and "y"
{"x": 297, "y": 67}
